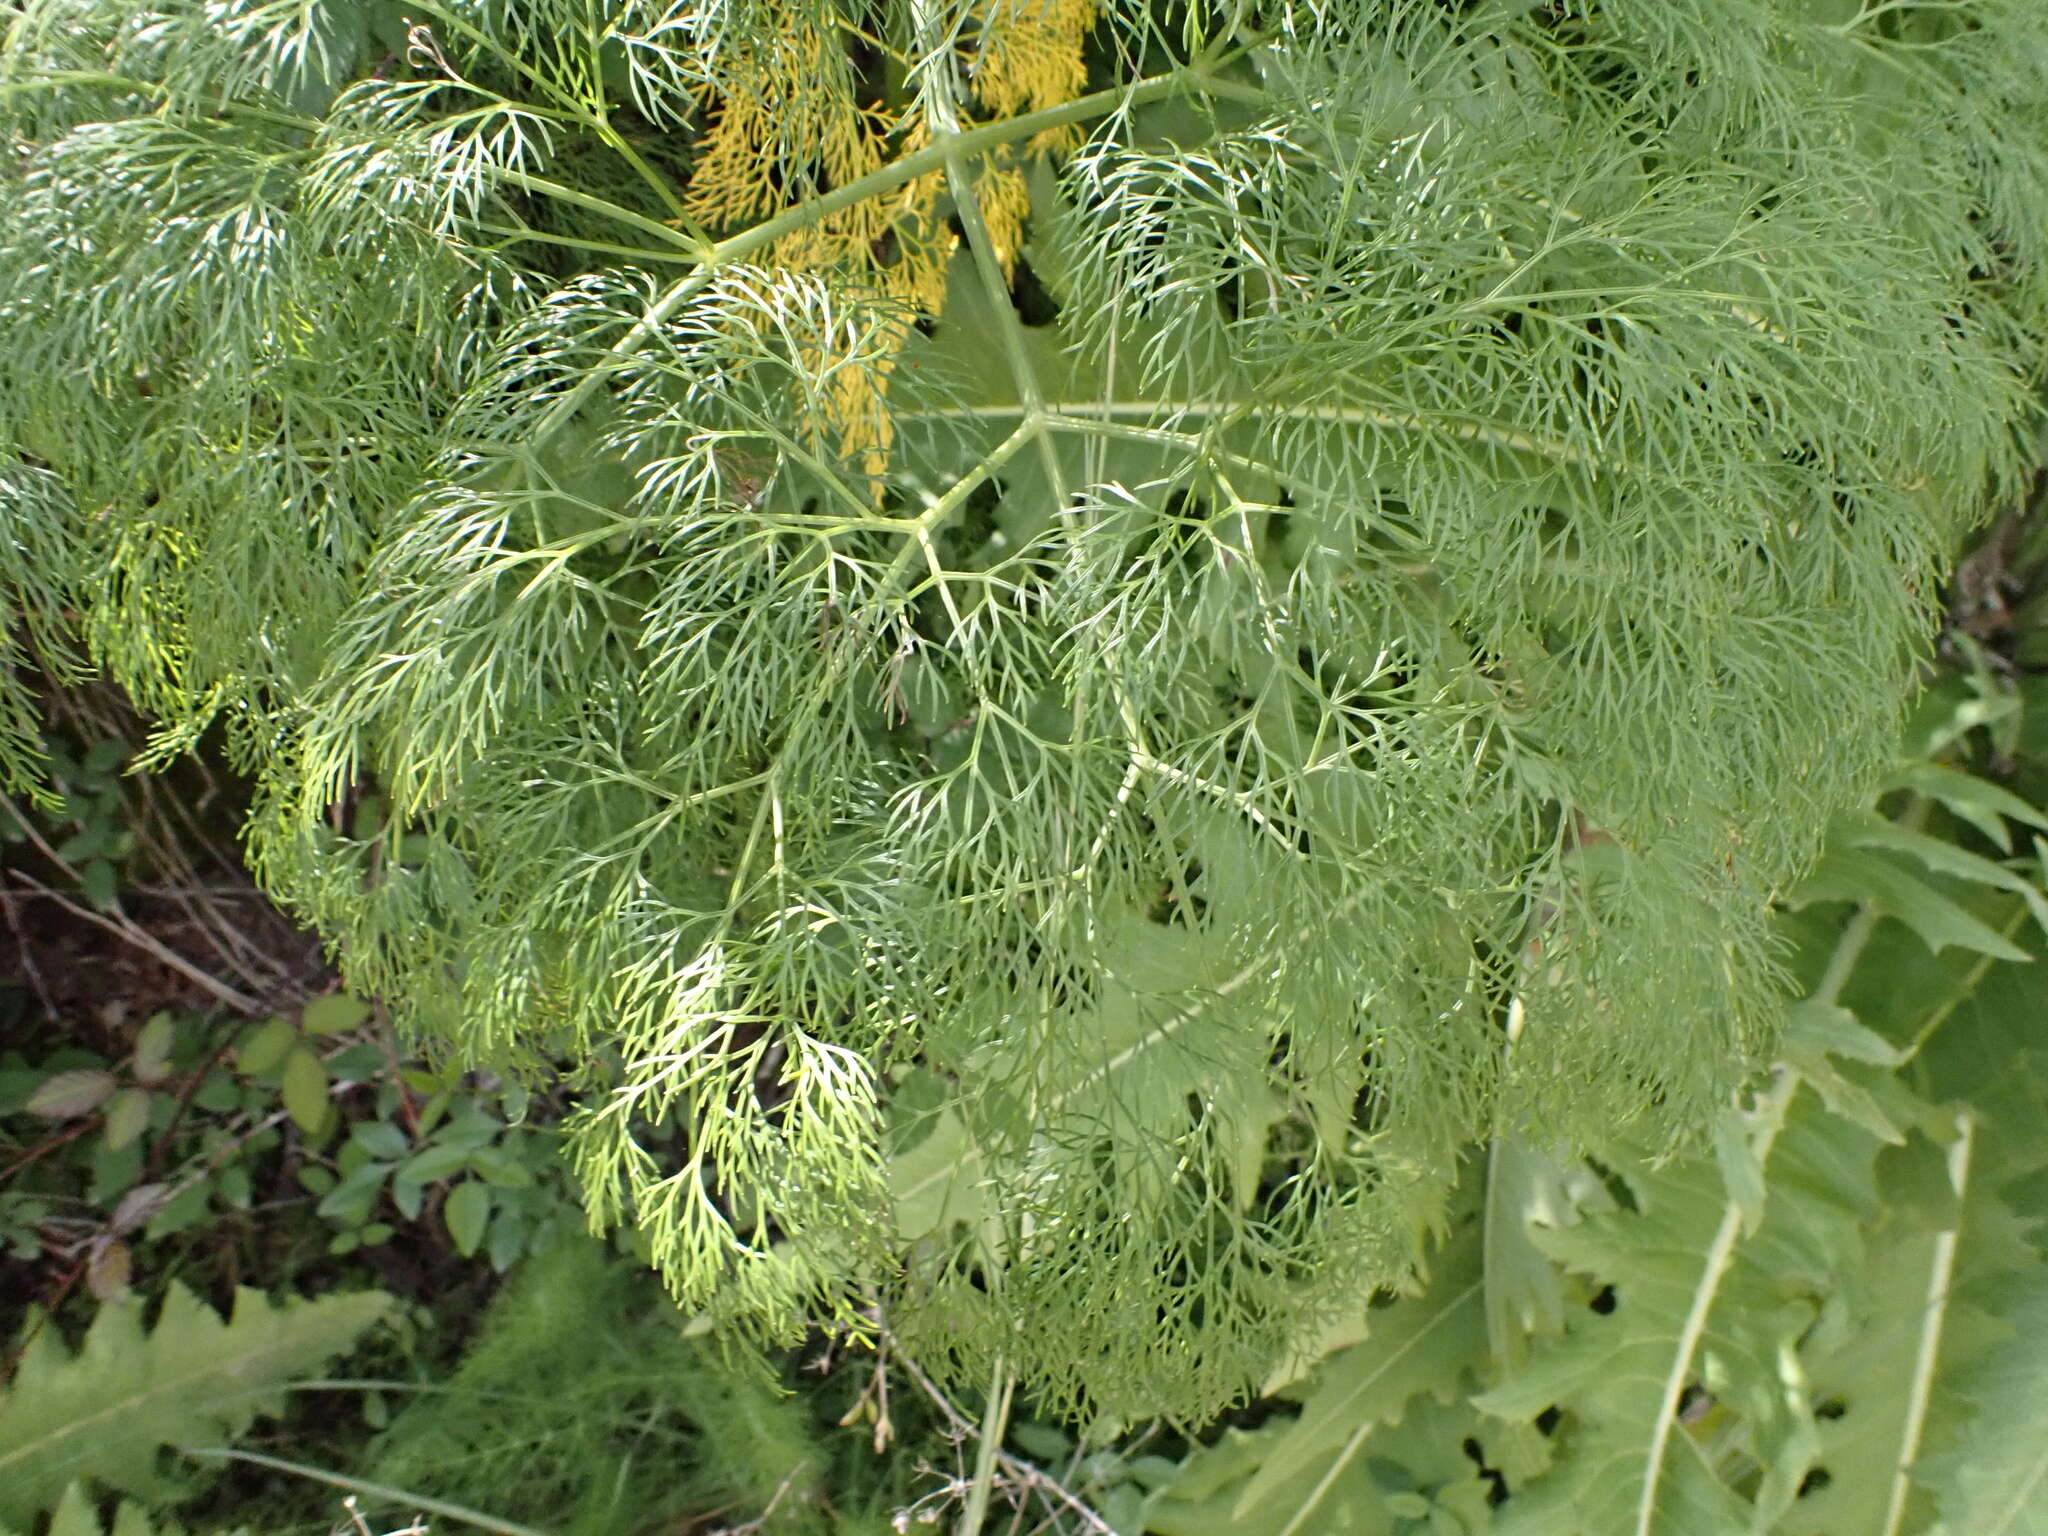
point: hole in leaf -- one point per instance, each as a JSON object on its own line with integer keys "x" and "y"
{"x": 1035, "y": 305}
{"x": 1616, "y": 1186}
{"x": 1496, "y": 1480}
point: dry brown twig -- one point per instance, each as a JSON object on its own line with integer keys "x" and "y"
{"x": 127, "y": 929}
{"x": 29, "y": 968}
{"x": 119, "y": 922}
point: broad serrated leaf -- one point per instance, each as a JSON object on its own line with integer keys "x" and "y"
{"x": 1974, "y": 799}
{"x": 1373, "y": 1482}
{"x": 1870, "y": 879}
{"x": 1742, "y": 1174}
{"x": 1527, "y": 1188}
{"x": 106, "y": 1412}
{"x": 1883, "y": 1366}
{"x": 1942, "y": 857}
{"x": 1202, "y": 1499}
{"x": 1694, "y": 1305}
{"x": 938, "y": 1181}
{"x": 1995, "y": 1482}
{"x": 77, "y": 1515}
{"x": 1815, "y": 1035}
{"x": 1983, "y": 1047}
{"x": 1828, "y": 1029}
{"x": 1422, "y": 1344}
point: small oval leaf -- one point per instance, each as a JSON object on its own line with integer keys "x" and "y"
{"x": 127, "y": 1117}
{"x": 437, "y": 1162}
{"x": 467, "y": 1211}
{"x": 101, "y": 884}
{"x": 153, "y": 1042}
{"x": 305, "y": 1090}
{"x": 332, "y": 1014}
{"x": 499, "y": 1167}
{"x": 381, "y": 1139}
{"x": 408, "y": 1197}
{"x": 68, "y": 1095}
{"x": 266, "y": 1047}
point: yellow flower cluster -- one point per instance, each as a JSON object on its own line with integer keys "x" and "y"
{"x": 1029, "y": 58}
{"x": 787, "y": 123}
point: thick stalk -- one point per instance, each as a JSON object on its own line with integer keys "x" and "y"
{"x": 1940, "y": 1278}
{"x": 994, "y": 1425}
{"x": 1770, "y": 1118}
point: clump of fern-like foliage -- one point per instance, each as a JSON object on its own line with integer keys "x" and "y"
{"x": 1045, "y": 830}
{"x": 583, "y": 1409}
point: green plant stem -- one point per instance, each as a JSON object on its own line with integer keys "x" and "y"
{"x": 57, "y": 79}
{"x": 377, "y": 1384}
{"x": 544, "y": 187}
{"x": 369, "y": 1490}
{"x": 1940, "y": 1278}
{"x": 656, "y": 182}
{"x": 1080, "y": 415}
{"x": 1501, "y": 1339}
{"x": 994, "y": 1425}
{"x": 1848, "y": 949}
{"x": 1338, "y": 1463}
{"x": 1770, "y": 1117}
{"x": 514, "y": 234}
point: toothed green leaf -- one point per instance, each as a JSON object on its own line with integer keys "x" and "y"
{"x": 107, "y": 1412}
